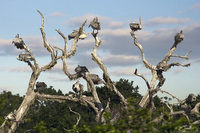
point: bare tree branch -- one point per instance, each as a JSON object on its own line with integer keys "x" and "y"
{"x": 109, "y": 82}
{"x": 48, "y": 47}
{"x": 184, "y": 57}
{"x": 146, "y": 63}
{"x": 30, "y": 96}
{"x": 177, "y": 112}
{"x": 79, "y": 116}
{"x": 142, "y": 76}
{"x": 162, "y": 66}
{"x": 195, "y": 110}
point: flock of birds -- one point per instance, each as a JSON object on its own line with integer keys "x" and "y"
{"x": 77, "y": 87}
{"x": 95, "y": 24}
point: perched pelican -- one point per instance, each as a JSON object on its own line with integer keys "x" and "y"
{"x": 79, "y": 69}
{"x": 135, "y": 26}
{"x": 25, "y": 57}
{"x": 19, "y": 43}
{"x": 95, "y": 24}
{"x": 77, "y": 87}
{"x": 41, "y": 86}
{"x": 191, "y": 98}
{"x": 178, "y": 38}
{"x": 75, "y": 32}
{"x": 95, "y": 79}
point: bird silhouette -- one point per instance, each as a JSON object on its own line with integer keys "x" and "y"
{"x": 78, "y": 88}
{"x": 95, "y": 79}
{"x": 19, "y": 43}
{"x": 79, "y": 69}
{"x": 40, "y": 86}
{"x": 178, "y": 38}
{"x": 25, "y": 57}
{"x": 75, "y": 32}
{"x": 95, "y": 24}
{"x": 136, "y": 26}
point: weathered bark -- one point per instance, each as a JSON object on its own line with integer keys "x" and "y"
{"x": 30, "y": 96}
{"x": 157, "y": 70}
{"x": 95, "y": 103}
{"x": 109, "y": 82}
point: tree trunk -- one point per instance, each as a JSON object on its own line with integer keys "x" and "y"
{"x": 29, "y": 99}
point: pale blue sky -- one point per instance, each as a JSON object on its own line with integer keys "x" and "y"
{"x": 161, "y": 20}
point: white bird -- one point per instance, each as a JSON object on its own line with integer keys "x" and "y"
{"x": 78, "y": 88}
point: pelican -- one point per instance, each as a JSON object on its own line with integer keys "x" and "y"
{"x": 95, "y": 79}
{"x": 136, "y": 26}
{"x": 25, "y": 57}
{"x": 178, "y": 38}
{"x": 79, "y": 69}
{"x": 95, "y": 24}
{"x": 75, "y": 32}
{"x": 77, "y": 87}
{"x": 41, "y": 86}
{"x": 19, "y": 43}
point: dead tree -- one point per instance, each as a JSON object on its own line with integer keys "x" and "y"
{"x": 157, "y": 70}
{"x": 30, "y": 59}
{"x": 91, "y": 79}
{"x": 93, "y": 101}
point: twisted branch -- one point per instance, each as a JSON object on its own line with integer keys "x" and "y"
{"x": 109, "y": 82}
{"x": 146, "y": 63}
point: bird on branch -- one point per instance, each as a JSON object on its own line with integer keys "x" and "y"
{"x": 95, "y": 79}
{"x": 25, "y": 57}
{"x": 40, "y": 86}
{"x": 136, "y": 26}
{"x": 178, "y": 38}
{"x": 19, "y": 43}
{"x": 75, "y": 32}
{"x": 80, "y": 69}
{"x": 95, "y": 25}
{"x": 78, "y": 88}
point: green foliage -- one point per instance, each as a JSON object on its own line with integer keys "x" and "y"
{"x": 8, "y": 103}
{"x": 55, "y": 117}
{"x": 124, "y": 86}
{"x": 40, "y": 127}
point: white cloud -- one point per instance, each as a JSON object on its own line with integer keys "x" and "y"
{"x": 196, "y": 6}
{"x": 58, "y": 79}
{"x": 116, "y": 32}
{"x": 4, "y": 88}
{"x": 5, "y": 42}
{"x": 123, "y": 72}
{"x": 115, "y": 24}
{"x": 120, "y": 60}
{"x": 20, "y": 69}
{"x": 162, "y": 20}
